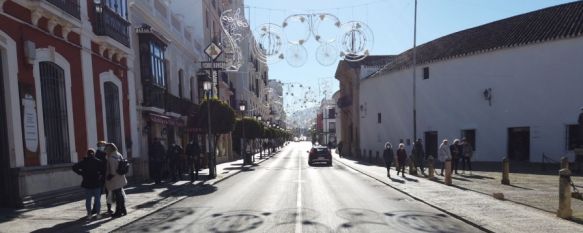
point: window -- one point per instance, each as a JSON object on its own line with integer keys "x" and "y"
{"x": 120, "y": 7}
{"x": 331, "y": 113}
{"x": 3, "y": 133}
{"x": 158, "y": 64}
{"x": 180, "y": 83}
{"x": 426, "y": 73}
{"x": 52, "y": 78}
{"x": 332, "y": 127}
{"x": 573, "y": 134}
{"x": 379, "y": 119}
{"x": 470, "y": 135}
{"x": 112, "y": 113}
{"x": 192, "y": 88}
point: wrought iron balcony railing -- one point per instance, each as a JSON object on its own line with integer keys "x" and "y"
{"x": 70, "y": 6}
{"x": 109, "y": 23}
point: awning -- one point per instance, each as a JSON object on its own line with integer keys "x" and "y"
{"x": 166, "y": 120}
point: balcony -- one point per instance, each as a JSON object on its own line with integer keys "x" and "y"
{"x": 344, "y": 101}
{"x": 70, "y": 6}
{"x": 109, "y": 23}
{"x": 154, "y": 96}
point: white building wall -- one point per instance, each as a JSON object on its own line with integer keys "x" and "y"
{"x": 536, "y": 86}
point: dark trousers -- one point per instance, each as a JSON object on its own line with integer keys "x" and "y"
{"x": 194, "y": 166}
{"x": 464, "y": 161}
{"x": 401, "y": 168}
{"x": 388, "y": 166}
{"x": 120, "y": 206}
{"x": 174, "y": 169}
{"x": 442, "y": 167}
{"x": 156, "y": 172}
{"x": 419, "y": 163}
{"x": 455, "y": 164}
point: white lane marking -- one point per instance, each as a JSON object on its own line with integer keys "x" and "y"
{"x": 299, "y": 198}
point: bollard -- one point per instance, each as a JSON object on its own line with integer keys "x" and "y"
{"x": 431, "y": 168}
{"x": 505, "y": 171}
{"x": 564, "y": 210}
{"x": 412, "y": 168}
{"x": 564, "y": 163}
{"x": 448, "y": 171}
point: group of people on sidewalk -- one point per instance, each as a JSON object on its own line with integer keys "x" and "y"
{"x": 169, "y": 162}
{"x": 103, "y": 171}
{"x": 459, "y": 150}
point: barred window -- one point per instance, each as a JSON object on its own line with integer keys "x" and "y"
{"x": 52, "y": 79}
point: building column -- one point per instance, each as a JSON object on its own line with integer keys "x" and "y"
{"x": 133, "y": 109}
{"x": 88, "y": 91}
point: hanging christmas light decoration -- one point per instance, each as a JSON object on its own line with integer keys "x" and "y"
{"x": 356, "y": 41}
{"x": 236, "y": 29}
{"x": 268, "y": 45}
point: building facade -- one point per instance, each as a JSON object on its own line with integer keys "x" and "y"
{"x": 514, "y": 93}
{"x": 66, "y": 70}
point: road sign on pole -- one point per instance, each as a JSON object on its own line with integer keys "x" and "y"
{"x": 213, "y": 51}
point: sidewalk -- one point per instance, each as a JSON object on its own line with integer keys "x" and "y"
{"x": 142, "y": 199}
{"x": 470, "y": 198}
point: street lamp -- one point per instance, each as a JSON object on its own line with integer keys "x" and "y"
{"x": 242, "y": 107}
{"x": 207, "y": 86}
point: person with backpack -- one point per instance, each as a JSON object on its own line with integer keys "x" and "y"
{"x": 115, "y": 181}
{"x": 92, "y": 171}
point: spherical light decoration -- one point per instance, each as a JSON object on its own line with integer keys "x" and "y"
{"x": 356, "y": 40}
{"x": 269, "y": 44}
{"x": 296, "y": 55}
{"x": 326, "y": 54}
{"x": 325, "y": 27}
{"x": 296, "y": 28}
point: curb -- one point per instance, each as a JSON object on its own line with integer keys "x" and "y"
{"x": 181, "y": 188}
{"x": 418, "y": 199}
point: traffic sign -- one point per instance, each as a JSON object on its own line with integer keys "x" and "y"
{"x": 213, "y": 51}
{"x": 213, "y": 65}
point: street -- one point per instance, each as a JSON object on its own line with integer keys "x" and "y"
{"x": 284, "y": 194}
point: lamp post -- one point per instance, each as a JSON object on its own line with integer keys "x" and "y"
{"x": 207, "y": 86}
{"x": 242, "y": 107}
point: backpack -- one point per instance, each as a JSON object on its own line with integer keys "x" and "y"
{"x": 123, "y": 167}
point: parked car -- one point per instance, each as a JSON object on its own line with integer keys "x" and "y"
{"x": 319, "y": 154}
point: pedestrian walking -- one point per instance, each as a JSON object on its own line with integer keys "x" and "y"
{"x": 455, "y": 154}
{"x": 193, "y": 153}
{"x": 339, "y": 149}
{"x": 92, "y": 171}
{"x": 418, "y": 155}
{"x": 467, "y": 154}
{"x": 102, "y": 156}
{"x": 401, "y": 158}
{"x": 156, "y": 160}
{"x": 115, "y": 181}
{"x": 388, "y": 157}
{"x": 174, "y": 153}
{"x": 444, "y": 154}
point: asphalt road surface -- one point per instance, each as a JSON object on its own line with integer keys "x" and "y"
{"x": 284, "y": 194}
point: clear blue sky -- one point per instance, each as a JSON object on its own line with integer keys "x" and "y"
{"x": 391, "y": 22}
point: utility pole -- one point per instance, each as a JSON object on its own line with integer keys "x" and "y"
{"x": 415, "y": 74}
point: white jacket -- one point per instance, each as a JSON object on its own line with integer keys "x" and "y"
{"x": 118, "y": 181}
{"x": 444, "y": 152}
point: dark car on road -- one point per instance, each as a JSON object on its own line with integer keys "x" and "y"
{"x": 320, "y": 154}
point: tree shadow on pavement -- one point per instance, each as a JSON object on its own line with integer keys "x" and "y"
{"x": 411, "y": 179}
{"x": 518, "y": 187}
{"x": 479, "y": 177}
{"x": 462, "y": 179}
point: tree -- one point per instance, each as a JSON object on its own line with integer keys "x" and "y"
{"x": 251, "y": 128}
{"x": 222, "y": 122}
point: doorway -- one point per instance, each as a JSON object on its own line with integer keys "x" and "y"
{"x": 431, "y": 144}
{"x": 519, "y": 144}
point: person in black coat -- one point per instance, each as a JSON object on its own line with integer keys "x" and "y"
{"x": 102, "y": 156}
{"x": 174, "y": 153}
{"x": 401, "y": 159}
{"x": 92, "y": 170}
{"x": 388, "y": 157}
{"x": 193, "y": 153}
{"x": 456, "y": 151}
{"x": 156, "y": 160}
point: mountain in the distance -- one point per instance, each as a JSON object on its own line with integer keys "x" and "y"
{"x": 303, "y": 118}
